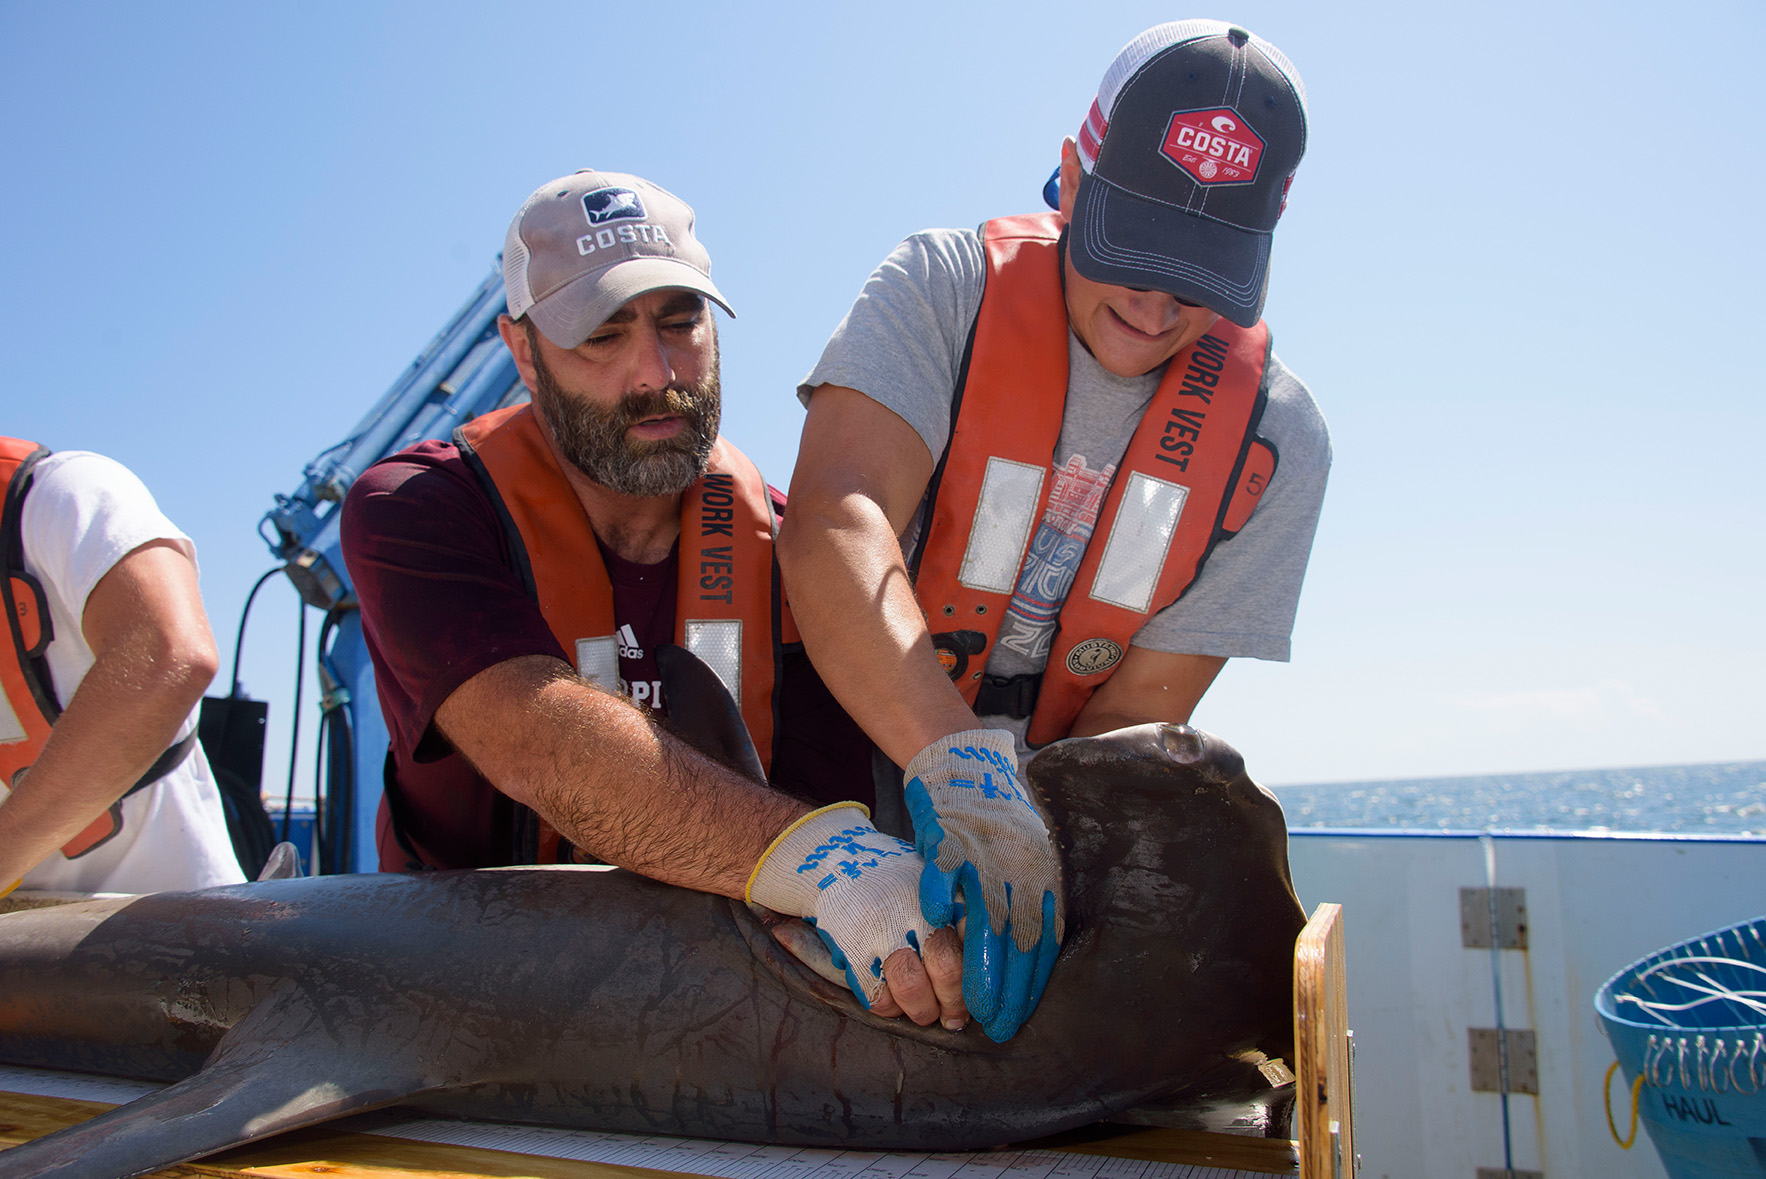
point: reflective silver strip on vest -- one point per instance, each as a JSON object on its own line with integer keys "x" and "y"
{"x": 1010, "y": 493}
{"x": 718, "y": 642}
{"x": 11, "y": 728}
{"x": 1139, "y": 541}
{"x": 597, "y": 660}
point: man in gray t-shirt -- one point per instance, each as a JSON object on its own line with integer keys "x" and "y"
{"x": 1167, "y": 203}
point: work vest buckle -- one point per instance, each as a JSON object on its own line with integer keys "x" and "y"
{"x": 1008, "y": 695}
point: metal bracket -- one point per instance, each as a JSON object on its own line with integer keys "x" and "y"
{"x": 1511, "y": 918}
{"x": 1489, "y": 1047}
{"x": 315, "y": 580}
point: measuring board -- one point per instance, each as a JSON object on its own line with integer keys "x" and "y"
{"x": 695, "y": 1156}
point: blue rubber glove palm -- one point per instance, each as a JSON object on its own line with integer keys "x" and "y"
{"x": 985, "y": 840}
{"x": 858, "y": 887}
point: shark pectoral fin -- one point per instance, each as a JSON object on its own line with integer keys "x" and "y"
{"x": 277, "y": 1069}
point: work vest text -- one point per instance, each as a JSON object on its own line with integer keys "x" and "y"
{"x": 717, "y": 564}
{"x": 1183, "y": 426}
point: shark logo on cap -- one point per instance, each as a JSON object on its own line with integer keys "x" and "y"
{"x": 612, "y": 204}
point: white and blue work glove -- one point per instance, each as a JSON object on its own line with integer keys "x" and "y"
{"x": 858, "y": 887}
{"x": 988, "y": 850}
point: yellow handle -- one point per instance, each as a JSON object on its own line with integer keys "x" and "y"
{"x": 1606, "y": 1100}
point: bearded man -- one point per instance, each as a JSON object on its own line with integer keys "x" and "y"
{"x": 516, "y": 582}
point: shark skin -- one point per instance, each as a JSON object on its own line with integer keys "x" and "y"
{"x": 595, "y": 998}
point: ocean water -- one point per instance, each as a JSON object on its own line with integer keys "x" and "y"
{"x": 1725, "y": 798}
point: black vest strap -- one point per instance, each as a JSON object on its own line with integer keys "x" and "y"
{"x": 168, "y": 761}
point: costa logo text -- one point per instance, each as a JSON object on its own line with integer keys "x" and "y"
{"x": 1213, "y": 146}
{"x": 612, "y": 235}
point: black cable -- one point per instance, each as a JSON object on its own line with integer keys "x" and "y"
{"x": 248, "y": 824}
{"x": 252, "y": 832}
{"x": 334, "y": 758}
{"x": 300, "y": 664}
{"x": 321, "y": 819}
{"x": 239, "y": 640}
{"x": 343, "y": 770}
{"x": 340, "y": 794}
{"x": 324, "y": 821}
{"x": 336, "y": 836}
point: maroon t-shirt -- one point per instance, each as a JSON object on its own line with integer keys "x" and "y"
{"x": 442, "y": 601}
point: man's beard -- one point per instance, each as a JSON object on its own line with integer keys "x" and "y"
{"x": 595, "y": 442}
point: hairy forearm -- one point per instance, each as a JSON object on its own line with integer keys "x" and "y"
{"x": 862, "y": 626}
{"x": 612, "y": 780}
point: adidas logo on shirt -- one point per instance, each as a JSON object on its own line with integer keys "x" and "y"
{"x": 628, "y": 643}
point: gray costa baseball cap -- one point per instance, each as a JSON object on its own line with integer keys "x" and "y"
{"x": 1185, "y": 161}
{"x": 586, "y": 244}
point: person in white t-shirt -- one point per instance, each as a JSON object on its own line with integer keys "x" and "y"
{"x": 118, "y": 797}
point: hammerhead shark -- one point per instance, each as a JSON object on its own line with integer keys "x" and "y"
{"x": 595, "y": 998}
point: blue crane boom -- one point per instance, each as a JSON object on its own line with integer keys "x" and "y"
{"x": 463, "y": 372}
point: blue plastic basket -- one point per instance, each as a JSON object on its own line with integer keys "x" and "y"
{"x": 1690, "y": 1020}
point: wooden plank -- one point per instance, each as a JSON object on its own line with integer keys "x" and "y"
{"x": 31, "y": 898}
{"x": 1196, "y": 1148}
{"x": 1323, "y": 1101}
{"x": 302, "y": 1154}
{"x": 335, "y": 1154}
{"x": 342, "y": 1155}
{"x": 27, "y": 1116}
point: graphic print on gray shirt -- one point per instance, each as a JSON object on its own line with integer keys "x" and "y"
{"x": 902, "y": 345}
{"x": 1075, "y": 498}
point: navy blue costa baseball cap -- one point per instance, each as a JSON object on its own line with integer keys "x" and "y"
{"x": 1185, "y": 162}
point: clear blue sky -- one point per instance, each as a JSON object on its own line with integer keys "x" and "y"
{"x": 1519, "y": 269}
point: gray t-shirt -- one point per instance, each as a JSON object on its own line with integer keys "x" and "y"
{"x": 902, "y": 345}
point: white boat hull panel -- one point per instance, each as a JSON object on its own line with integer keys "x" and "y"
{"x": 1594, "y": 905}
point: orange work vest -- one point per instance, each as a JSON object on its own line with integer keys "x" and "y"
{"x": 727, "y": 608}
{"x": 1190, "y": 478}
{"x": 29, "y": 706}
